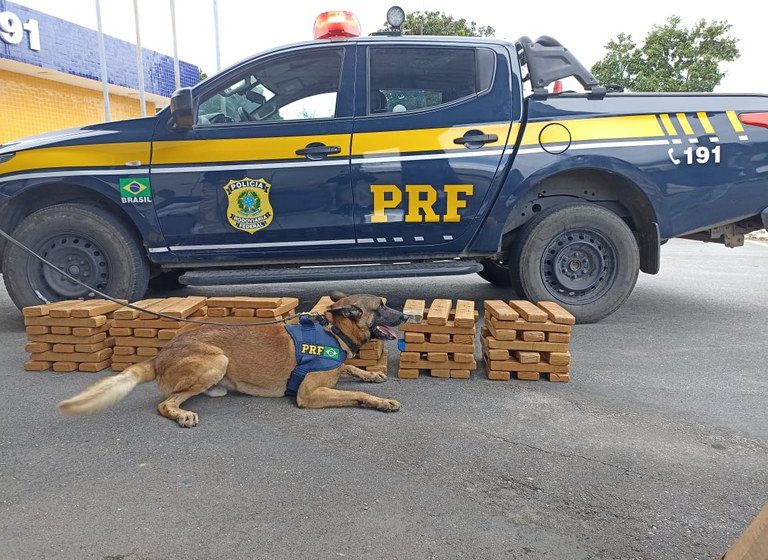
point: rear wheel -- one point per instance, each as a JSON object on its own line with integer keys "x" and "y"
{"x": 582, "y": 256}
{"x": 85, "y": 241}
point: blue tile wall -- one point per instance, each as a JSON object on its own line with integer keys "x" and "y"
{"x": 73, "y": 49}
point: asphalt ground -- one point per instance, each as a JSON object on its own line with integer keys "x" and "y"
{"x": 658, "y": 448}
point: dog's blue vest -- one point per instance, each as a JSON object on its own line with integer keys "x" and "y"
{"x": 316, "y": 350}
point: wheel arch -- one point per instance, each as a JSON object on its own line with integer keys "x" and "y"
{"x": 42, "y": 195}
{"x": 603, "y": 186}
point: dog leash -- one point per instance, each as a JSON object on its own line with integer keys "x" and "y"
{"x": 141, "y": 309}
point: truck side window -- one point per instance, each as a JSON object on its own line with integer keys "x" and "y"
{"x": 405, "y": 78}
{"x": 298, "y": 86}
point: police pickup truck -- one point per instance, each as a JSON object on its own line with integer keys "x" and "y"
{"x": 387, "y": 156}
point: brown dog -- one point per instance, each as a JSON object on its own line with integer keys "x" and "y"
{"x": 259, "y": 360}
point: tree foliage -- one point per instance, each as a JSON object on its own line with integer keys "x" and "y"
{"x": 439, "y": 23}
{"x": 672, "y": 57}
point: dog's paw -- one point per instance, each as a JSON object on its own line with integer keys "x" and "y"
{"x": 377, "y": 377}
{"x": 389, "y": 405}
{"x": 187, "y": 419}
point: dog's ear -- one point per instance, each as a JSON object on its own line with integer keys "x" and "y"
{"x": 336, "y": 295}
{"x": 350, "y": 311}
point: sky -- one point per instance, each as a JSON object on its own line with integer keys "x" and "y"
{"x": 248, "y": 27}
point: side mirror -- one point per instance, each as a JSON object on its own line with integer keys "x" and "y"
{"x": 182, "y": 109}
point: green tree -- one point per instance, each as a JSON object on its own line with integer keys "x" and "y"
{"x": 672, "y": 57}
{"x": 438, "y": 23}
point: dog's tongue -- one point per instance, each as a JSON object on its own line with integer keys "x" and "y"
{"x": 389, "y": 332}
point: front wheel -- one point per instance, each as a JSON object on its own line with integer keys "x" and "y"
{"x": 85, "y": 241}
{"x": 582, "y": 256}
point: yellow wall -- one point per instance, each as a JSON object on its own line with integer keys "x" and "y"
{"x": 30, "y": 105}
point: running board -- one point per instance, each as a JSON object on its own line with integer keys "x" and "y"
{"x": 230, "y": 277}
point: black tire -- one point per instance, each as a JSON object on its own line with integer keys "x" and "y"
{"x": 167, "y": 281}
{"x": 496, "y": 273}
{"x": 580, "y": 255}
{"x": 86, "y": 241}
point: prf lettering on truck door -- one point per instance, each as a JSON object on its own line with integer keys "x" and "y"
{"x": 421, "y": 201}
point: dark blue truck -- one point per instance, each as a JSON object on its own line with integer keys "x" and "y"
{"x": 388, "y": 157}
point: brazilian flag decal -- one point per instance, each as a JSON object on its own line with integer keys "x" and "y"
{"x": 331, "y": 353}
{"x": 135, "y": 189}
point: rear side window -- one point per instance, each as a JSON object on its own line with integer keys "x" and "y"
{"x": 411, "y": 78}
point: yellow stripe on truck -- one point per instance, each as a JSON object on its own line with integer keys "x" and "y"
{"x": 422, "y": 140}
{"x": 687, "y": 128}
{"x": 704, "y": 119}
{"x": 668, "y": 126}
{"x": 735, "y": 122}
{"x": 241, "y": 149}
{"x": 597, "y": 128}
{"x": 115, "y": 154}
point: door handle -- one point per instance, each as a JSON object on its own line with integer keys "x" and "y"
{"x": 317, "y": 150}
{"x": 475, "y": 139}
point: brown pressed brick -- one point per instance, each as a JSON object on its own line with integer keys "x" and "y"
{"x": 460, "y": 374}
{"x": 219, "y": 311}
{"x": 125, "y": 350}
{"x": 556, "y": 313}
{"x": 521, "y": 325}
{"x": 73, "y": 356}
{"x": 95, "y": 346}
{"x": 498, "y": 375}
{"x": 90, "y": 331}
{"x": 63, "y": 311}
{"x": 444, "y": 373}
{"x": 449, "y": 328}
{"x": 94, "y": 366}
{"x": 500, "y": 310}
{"x": 38, "y": 329}
{"x": 67, "y": 338}
{"x": 37, "y": 347}
{"x": 464, "y": 314}
{"x": 134, "y": 341}
{"x": 45, "y": 309}
{"x": 497, "y": 353}
{"x": 429, "y": 347}
{"x": 437, "y": 357}
{"x": 64, "y": 348}
{"x": 37, "y": 365}
{"x": 128, "y": 313}
{"x": 439, "y": 311}
{"x": 415, "y": 337}
{"x": 59, "y": 329}
{"x": 67, "y": 322}
{"x": 501, "y": 334}
{"x": 528, "y": 311}
{"x": 120, "y": 331}
{"x": 146, "y": 351}
{"x": 185, "y": 307}
{"x": 439, "y": 338}
{"x": 463, "y": 339}
{"x": 96, "y": 307}
{"x": 63, "y": 367}
{"x": 245, "y": 301}
{"x": 144, "y": 333}
{"x": 287, "y": 305}
{"x": 559, "y": 358}
{"x": 405, "y": 373}
{"x": 461, "y": 357}
{"x": 527, "y": 375}
{"x": 369, "y": 354}
{"x": 148, "y": 323}
{"x": 559, "y": 377}
{"x": 532, "y": 336}
{"x": 516, "y": 366}
{"x": 410, "y": 356}
{"x": 527, "y": 357}
{"x": 558, "y": 337}
{"x": 245, "y": 312}
{"x": 532, "y": 346}
{"x": 450, "y": 364}
{"x": 415, "y": 309}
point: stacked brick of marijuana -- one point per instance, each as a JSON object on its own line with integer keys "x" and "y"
{"x": 243, "y": 309}
{"x": 527, "y": 340}
{"x": 372, "y": 355}
{"x": 139, "y": 335}
{"x": 443, "y": 344}
{"x": 69, "y": 335}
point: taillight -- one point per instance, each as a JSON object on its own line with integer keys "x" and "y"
{"x": 329, "y": 25}
{"x": 755, "y": 119}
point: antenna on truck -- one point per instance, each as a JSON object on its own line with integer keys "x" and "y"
{"x": 547, "y": 61}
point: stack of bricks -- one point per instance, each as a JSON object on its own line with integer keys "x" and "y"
{"x": 240, "y": 310}
{"x": 527, "y": 340}
{"x": 139, "y": 336}
{"x": 443, "y": 344}
{"x": 69, "y": 335}
{"x": 372, "y": 355}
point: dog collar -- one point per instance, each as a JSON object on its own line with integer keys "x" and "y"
{"x": 337, "y": 332}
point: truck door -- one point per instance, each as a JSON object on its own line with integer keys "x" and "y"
{"x": 431, "y": 125}
{"x": 265, "y": 169}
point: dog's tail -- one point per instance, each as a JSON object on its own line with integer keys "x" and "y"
{"x": 109, "y": 390}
